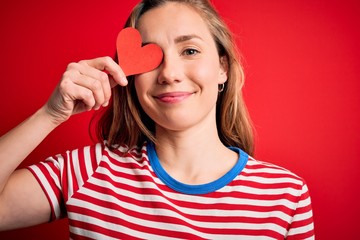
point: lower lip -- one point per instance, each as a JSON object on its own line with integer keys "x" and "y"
{"x": 173, "y": 99}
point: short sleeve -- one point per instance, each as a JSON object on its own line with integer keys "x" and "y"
{"x": 62, "y": 175}
{"x": 48, "y": 174}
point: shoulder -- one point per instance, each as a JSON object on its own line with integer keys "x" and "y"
{"x": 269, "y": 169}
{"x": 91, "y": 156}
{"x": 128, "y": 157}
{"x": 99, "y": 150}
{"x": 269, "y": 175}
{"x": 136, "y": 152}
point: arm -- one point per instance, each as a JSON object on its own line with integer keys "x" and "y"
{"x": 84, "y": 86}
{"x": 17, "y": 187}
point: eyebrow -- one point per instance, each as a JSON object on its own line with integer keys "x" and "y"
{"x": 184, "y": 38}
{"x": 179, "y": 39}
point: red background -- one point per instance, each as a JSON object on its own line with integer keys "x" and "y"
{"x": 302, "y": 66}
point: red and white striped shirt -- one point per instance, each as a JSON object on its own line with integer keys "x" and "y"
{"x": 126, "y": 194}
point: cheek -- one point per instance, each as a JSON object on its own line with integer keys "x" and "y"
{"x": 143, "y": 83}
{"x": 142, "y": 78}
{"x": 205, "y": 71}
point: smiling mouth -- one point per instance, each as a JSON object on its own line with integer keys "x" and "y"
{"x": 173, "y": 97}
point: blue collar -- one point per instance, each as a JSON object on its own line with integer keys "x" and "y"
{"x": 200, "y": 188}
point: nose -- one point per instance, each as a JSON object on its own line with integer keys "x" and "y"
{"x": 169, "y": 70}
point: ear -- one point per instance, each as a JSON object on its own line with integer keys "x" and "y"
{"x": 224, "y": 66}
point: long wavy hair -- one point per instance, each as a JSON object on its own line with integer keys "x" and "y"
{"x": 125, "y": 122}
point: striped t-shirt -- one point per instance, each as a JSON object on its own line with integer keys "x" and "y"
{"x": 126, "y": 194}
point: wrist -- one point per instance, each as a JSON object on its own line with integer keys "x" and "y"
{"x": 48, "y": 121}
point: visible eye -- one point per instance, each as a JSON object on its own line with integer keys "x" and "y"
{"x": 190, "y": 52}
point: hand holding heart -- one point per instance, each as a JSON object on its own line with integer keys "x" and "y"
{"x": 87, "y": 84}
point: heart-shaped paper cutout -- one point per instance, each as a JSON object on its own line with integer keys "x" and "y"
{"x": 133, "y": 57}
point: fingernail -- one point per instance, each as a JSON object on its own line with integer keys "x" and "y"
{"x": 124, "y": 80}
{"x": 106, "y": 104}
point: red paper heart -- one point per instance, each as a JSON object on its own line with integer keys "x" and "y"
{"x": 133, "y": 57}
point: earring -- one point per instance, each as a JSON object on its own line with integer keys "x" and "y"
{"x": 221, "y": 87}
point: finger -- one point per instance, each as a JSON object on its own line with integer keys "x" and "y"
{"x": 110, "y": 66}
{"x": 96, "y": 88}
{"x": 75, "y": 74}
{"x": 85, "y": 99}
{"x": 72, "y": 93}
{"x": 112, "y": 82}
{"x": 105, "y": 79}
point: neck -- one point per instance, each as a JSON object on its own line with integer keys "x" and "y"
{"x": 194, "y": 156}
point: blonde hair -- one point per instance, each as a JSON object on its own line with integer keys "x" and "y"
{"x": 125, "y": 122}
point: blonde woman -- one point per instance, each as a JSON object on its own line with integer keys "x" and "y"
{"x": 174, "y": 154}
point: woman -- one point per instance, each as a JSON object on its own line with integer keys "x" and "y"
{"x": 173, "y": 159}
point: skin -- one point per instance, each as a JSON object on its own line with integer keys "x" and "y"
{"x": 179, "y": 95}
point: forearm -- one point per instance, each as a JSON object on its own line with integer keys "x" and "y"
{"x": 18, "y": 143}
